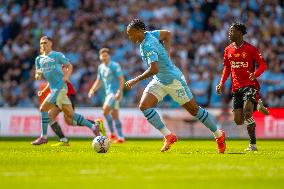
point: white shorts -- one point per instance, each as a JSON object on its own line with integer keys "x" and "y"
{"x": 58, "y": 97}
{"x": 111, "y": 102}
{"x": 178, "y": 90}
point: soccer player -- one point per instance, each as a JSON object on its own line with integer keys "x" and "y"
{"x": 49, "y": 64}
{"x": 167, "y": 80}
{"x": 239, "y": 60}
{"x": 110, "y": 74}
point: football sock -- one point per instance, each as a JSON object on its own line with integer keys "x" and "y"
{"x": 57, "y": 129}
{"x": 250, "y": 123}
{"x": 109, "y": 123}
{"x": 165, "y": 131}
{"x": 44, "y": 124}
{"x": 207, "y": 119}
{"x": 81, "y": 121}
{"x": 118, "y": 128}
{"x": 154, "y": 118}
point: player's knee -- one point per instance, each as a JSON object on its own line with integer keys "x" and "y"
{"x": 247, "y": 114}
{"x": 239, "y": 121}
{"x": 143, "y": 107}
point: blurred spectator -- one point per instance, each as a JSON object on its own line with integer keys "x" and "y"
{"x": 80, "y": 28}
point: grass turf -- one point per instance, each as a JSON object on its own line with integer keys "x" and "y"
{"x": 139, "y": 164}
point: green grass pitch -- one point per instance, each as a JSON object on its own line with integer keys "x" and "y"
{"x": 139, "y": 164}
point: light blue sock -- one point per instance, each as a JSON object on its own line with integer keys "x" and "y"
{"x": 44, "y": 123}
{"x": 207, "y": 119}
{"x": 154, "y": 118}
{"x": 118, "y": 128}
{"x": 109, "y": 123}
{"x": 81, "y": 121}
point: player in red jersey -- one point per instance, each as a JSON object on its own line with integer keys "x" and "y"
{"x": 239, "y": 61}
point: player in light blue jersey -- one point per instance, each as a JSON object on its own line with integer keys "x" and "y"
{"x": 49, "y": 65}
{"x": 110, "y": 74}
{"x": 167, "y": 80}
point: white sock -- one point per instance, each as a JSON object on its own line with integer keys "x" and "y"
{"x": 43, "y": 136}
{"x": 94, "y": 127}
{"x": 217, "y": 133}
{"x": 165, "y": 131}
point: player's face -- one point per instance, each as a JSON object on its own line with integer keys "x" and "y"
{"x": 104, "y": 57}
{"x": 45, "y": 45}
{"x": 132, "y": 34}
{"x": 234, "y": 34}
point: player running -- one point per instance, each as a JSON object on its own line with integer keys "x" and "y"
{"x": 49, "y": 64}
{"x": 167, "y": 80}
{"x": 239, "y": 60}
{"x": 110, "y": 74}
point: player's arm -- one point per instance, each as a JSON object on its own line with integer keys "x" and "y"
{"x": 96, "y": 85}
{"x": 166, "y": 37}
{"x": 120, "y": 89}
{"x": 225, "y": 74}
{"x": 67, "y": 71}
{"x": 152, "y": 70}
{"x": 261, "y": 64}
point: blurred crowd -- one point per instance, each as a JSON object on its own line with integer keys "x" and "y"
{"x": 80, "y": 28}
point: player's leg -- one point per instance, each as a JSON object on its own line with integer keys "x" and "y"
{"x": 44, "y": 108}
{"x": 106, "y": 112}
{"x": 209, "y": 121}
{"x": 63, "y": 141}
{"x": 117, "y": 123}
{"x": 261, "y": 108}
{"x": 180, "y": 92}
{"x": 249, "y": 107}
{"x": 72, "y": 118}
{"x": 154, "y": 93}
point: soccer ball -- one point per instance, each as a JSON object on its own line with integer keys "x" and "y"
{"x": 101, "y": 144}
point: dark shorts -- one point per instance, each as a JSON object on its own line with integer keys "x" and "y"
{"x": 248, "y": 93}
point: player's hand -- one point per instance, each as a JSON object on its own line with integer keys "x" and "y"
{"x": 90, "y": 94}
{"x": 219, "y": 88}
{"x": 251, "y": 76}
{"x": 117, "y": 95}
{"x": 130, "y": 83}
{"x": 38, "y": 75}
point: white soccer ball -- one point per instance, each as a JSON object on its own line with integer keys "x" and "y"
{"x": 101, "y": 144}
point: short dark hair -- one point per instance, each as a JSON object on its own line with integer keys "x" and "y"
{"x": 46, "y": 37}
{"x": 239, "y": 26}
{"x": 137, "y": 24}
{"x": 104, "y": 50}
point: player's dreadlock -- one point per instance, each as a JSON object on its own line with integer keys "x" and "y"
{"x": 137, "y": 24}
{"x": 239, "y": 26}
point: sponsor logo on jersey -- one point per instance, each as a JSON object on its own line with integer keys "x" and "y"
{"x": 239, "y": 64}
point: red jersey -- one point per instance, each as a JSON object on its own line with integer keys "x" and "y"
{"x": 240, "y": 61}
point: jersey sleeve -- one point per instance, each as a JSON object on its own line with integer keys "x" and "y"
{"x": 117, "y": 70}
{"x": 151, "y": 55}
{"x": 260, "y": 61}
{"x": 156, "y": 34}
{"x": 62, "y": 58}
{"x": 227, "y": 70}
{"x": 99, "y": 75}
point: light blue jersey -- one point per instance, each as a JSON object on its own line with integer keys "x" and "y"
{"x": 51, "y": 67}
{"x": 152, "y": 50}
{"x": 109, "y": 75}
